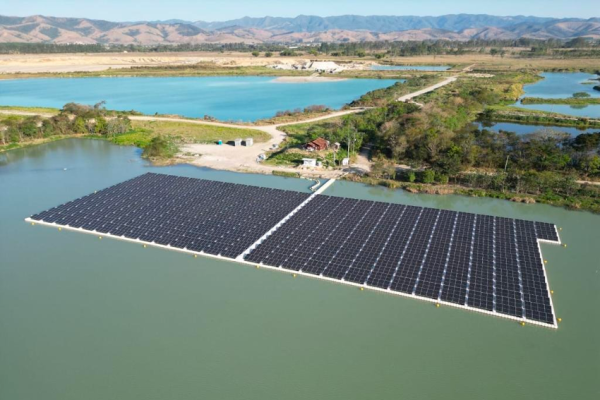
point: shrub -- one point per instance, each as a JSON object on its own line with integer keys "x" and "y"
{"x": 428, "y": 176}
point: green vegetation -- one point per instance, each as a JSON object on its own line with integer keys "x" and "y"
{"x": 95, "y": 121}
{"x": 445, "y": 153}
{"x": 579, "y": 47}
{"x": 74, "y": 119}
{"x": 160, "y": 148}
{"x": 286, "y": 174}
{"x": 185, "y": 132}
{"x": 576, "y": 101}
{"x": 535, "y": 117}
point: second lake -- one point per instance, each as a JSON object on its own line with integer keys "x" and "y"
{"x": 245, "y": 98}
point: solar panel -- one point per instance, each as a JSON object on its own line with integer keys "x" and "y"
{"x": 480, "y": 262}
{"x": 194, "y": 214}
{"x": 489, "y": 264}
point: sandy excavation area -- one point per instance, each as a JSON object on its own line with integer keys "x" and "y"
{"x": 49, "y": 63}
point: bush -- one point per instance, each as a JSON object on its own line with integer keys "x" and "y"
{"x": 411, "y": 177}
{"x": 443, "y": 179}
{"x": 581, "y": 95}
{"x": 268, "y": 54}
{"x": 428, "y": 176}
{"x": 256, "y": 53}
{"x": 159, "y": 147}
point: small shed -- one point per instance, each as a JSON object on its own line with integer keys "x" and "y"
{"x": 345, "y": 161}
{"x": 237, "y": 142}
{"x": 249, "y": 141}
{"x": 309, "y": 162}
{"x": 317, "y": 145}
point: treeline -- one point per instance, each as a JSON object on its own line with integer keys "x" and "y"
{"x": 579, "y": 47}
{"x": 73, "y": 119}
{"x": 53, "y": 48}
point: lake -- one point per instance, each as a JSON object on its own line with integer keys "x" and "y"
{"x": 557, "y": 85}
{"x": 245, "y": 98}
{"x": 522, "y": 129}
{"x": 410, "y": 67}
{"x": 87, "y": 319}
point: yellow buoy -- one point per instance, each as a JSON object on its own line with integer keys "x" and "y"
{"x": 33, "y": 223}
{"x": 545, "y": 261}
{"x": 100, "y": 237}
{"x": 437, "y": 305}
{"x": 294, "y": 275}
{"x": 552, "y": 292}
{"x": 145, "y": 246}
{"x": 522, "y": 323}
{"x": 559, "y": 319}
{"x": 565, "y": 245}
{"x": 560, "y": 229}
{"x": 195, "y": 255}
{"x": 362, "y": 288}
{"x": 258, "y": 266}
{"x": 60, "y": 229}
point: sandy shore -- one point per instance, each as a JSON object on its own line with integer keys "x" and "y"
{"x": 306, "y": 79}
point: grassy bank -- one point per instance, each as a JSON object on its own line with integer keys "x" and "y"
{"x": 183, "y": 132}
{"x": 500, "y": 113}
{"x": 570, "y": 101}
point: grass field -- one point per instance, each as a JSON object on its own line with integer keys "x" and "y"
{"x": 183, "y": 132}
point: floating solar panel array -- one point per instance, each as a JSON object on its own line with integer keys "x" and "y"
{"x": 484, "y": 263}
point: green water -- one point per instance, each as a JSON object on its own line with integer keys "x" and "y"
{"x": 87, "y": 319}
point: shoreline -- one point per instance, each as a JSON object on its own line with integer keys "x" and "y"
{"x": 307, "y": 79}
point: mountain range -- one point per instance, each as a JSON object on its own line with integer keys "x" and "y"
{"x": 301, "y": 29}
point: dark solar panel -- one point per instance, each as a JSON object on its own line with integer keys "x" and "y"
{"x": 199, "y": 215}
{"x": 481, "y": 262}
{"x": 486, "y": 263}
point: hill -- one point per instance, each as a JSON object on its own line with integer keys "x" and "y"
{"x": 301, "y": 29}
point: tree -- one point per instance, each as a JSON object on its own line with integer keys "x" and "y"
{"x": 256, "y": 53}
{"x": 428, "y": 176}
{"x": 268, "y": 54}
{"x": 79, "y": 125}
{"x": 101, "y": 126}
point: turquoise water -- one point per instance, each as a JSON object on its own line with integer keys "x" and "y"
{"x": 87, "y": 319}
{"x": 244, "y": 98}
{"x": 556, "y": 85}
{"x": 522, "y": 129}
{"x": 410, "y": 67}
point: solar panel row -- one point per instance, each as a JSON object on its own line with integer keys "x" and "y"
{"x": 478, "y": 261}
{"x": 482, "y": 262}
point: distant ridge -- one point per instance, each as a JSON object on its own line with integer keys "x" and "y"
{"x": 301, "y": 29}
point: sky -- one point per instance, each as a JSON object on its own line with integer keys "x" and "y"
{"x": 220, "y": 10}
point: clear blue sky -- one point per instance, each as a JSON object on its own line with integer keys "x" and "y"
{"x": 219, "y": 10}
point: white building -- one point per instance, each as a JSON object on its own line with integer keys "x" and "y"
{"x": 309, "y": 162}
{"x": 237, "y": 142}
{"x": 249, "y": 141}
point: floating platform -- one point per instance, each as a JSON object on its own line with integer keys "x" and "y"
{"x": 483, "y": 263}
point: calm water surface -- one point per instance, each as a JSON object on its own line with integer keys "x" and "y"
{"x": 87, "y": 319}
{"x": 556, "y": 85}
{"x": 410, "y": 67}
{"x": 244, "y": 98}
{"x": 522, "y": 129}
